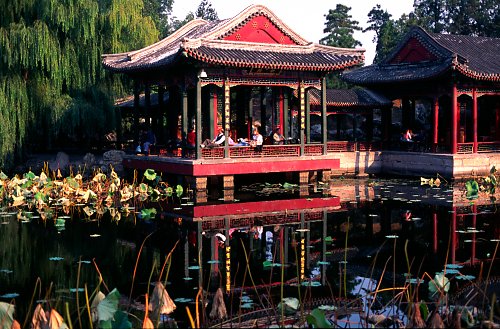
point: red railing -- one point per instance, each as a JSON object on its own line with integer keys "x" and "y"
{"x": 485, "y": 147}
{"x": 465, "y": 148}
{"x": 277, "y": 150}
{"x": 316, "y": 149}
{"x": 267, "y": 151}
{"x": 341, "y": 146}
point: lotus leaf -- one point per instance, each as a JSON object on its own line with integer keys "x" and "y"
{"x": 73, "y": 183}
{"x": 161, "y": 303}
{"x": 93, "y": 308}
{"x": 148, "y": 213}
{"x": 169, "y": 191}
{"x": 317, "y": 319}
{"x": 439, "y": 284}
{"x": 107, "y": 308}
{"x": 143, "y": 188}
{"x": 150, "y": 174}
{"x": 472, "y": 188}
{"x": 290, "y": 305}
{"x": 120, "y": 322}
{"x": 6, "y": 315}
{"x": 179, "y": 190}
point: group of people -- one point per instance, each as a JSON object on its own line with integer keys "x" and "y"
{"x": 257, "y": 140}
{"x": 147, "y": 139}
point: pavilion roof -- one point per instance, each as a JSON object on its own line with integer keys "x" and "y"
{"x": 255, "y": 38}
{"x": 421, "y": 55}
{"x": 354, "y": 98}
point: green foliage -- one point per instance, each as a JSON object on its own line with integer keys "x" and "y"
{"x": 147, "y": 214}
{"x": 150, "y": 174}
{"x": 317, "y": 319}
{"x": 179, "y": 190}
{"x": 107, "y": 308}
{"x": 53, "y": 88}
{"x": 472, "y": 189}
{"x": 206, "y": 11}
{"x": 340, "y": 28}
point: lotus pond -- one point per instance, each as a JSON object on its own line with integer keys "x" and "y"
{"x": 356, "y": 253}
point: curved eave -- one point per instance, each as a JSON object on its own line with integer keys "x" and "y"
{"x": 326, "y": 67}
{"x": 375, "y": 74}
{"x": 465, "y": 70}
{"x": 140, "y": 67}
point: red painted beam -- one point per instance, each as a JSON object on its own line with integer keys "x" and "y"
{"x": 266, "y": 166}
{"x": 263, "y": 206}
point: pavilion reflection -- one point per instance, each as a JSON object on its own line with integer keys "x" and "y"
{"x": 305, "y": 237}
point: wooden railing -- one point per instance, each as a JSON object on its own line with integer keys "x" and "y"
{"x": 293, "y": 150}
{"x": 485, "y": 147}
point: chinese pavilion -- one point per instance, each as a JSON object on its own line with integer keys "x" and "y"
{"x": 456, "y": 76}
{"x": 233, "y": 73}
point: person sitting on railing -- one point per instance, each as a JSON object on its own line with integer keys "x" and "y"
{"x": 217, "y": 141}
{"x": 278, "y": 138}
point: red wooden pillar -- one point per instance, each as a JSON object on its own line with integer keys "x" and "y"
{"x": 435, "y": 125}
{"x": 474, "y": 120}
{"x": 454, "y": 119}
{"x": 281, "y": 115}
{"x": 214, "y": 112}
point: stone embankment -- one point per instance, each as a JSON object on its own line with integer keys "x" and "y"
{"x": 85, "y": 164}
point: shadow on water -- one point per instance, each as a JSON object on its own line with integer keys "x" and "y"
{"x": 336, "y": 250}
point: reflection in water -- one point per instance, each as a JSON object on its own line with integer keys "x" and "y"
{"x": 324, "y": 250}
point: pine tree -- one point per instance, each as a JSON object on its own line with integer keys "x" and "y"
{"x": 340, "y": 28}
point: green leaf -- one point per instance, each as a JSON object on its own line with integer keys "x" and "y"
{"x": 72, "y": 183}
{"x": 287, "y": 186}
{"x": 179, "y": 190}
{"x": 148, "y": 213}
{"x": 6, "y": 315}
{"x": 439, "y": 284}
{"x": 424, "y": 310}
{"x": 267, "y": 263}
{"x": 143, "y": 188}
{"x": 39, "y": 196}
{"x": 150, "y": 174}
{"x": 3, "y": 176}
{"x": 317, "y": 319}
{"x": 29, "y": 175}
{"x": 472, "y": 188}
{"x": 290, "y": 305}
{"x": 169, "y": 191}
{"x": 121, "y": 321}
{"x": 108, "y": 306}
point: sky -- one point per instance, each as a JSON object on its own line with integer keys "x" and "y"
{"x": 307, "y": 18}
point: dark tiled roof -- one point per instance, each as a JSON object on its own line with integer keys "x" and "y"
{"x": 128, "y": 102}
{"x": 357, "y": 97}
{"x": 475, "y": 57}
{"x": 481, "y": 55}
{"x": 204, "y": 42}
{"x": 390, "y": 73}
{"x": 313, "y": 59}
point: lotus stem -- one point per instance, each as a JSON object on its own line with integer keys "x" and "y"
{"x": 77, "y": 286}
{"x": 69, "y": 317}
{"x": 88, "y": 307}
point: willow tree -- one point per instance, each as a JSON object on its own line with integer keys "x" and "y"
{"x": 52, "y": 85}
